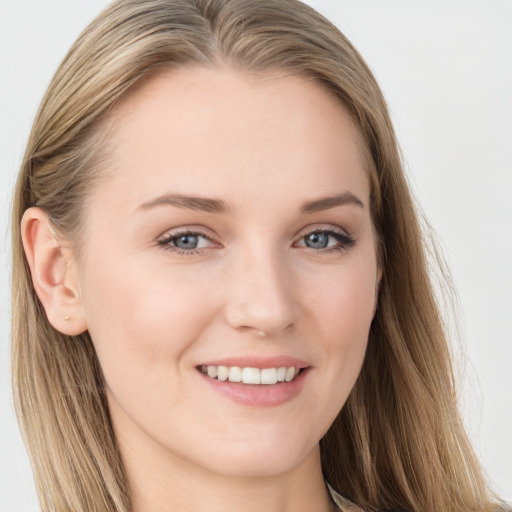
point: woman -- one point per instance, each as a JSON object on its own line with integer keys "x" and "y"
{"x": 223, "y": 298}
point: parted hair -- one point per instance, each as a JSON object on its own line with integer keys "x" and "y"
{"x": 399, "y": 441}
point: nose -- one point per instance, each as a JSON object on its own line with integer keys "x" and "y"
{"x": 261, "y": 294}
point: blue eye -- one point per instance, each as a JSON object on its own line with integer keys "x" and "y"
{"x": 186, "y": 242}
{"x": 317, "y": 240}
{"x": 320, "y": 239}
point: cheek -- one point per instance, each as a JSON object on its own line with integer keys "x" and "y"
{"x": 343, "y": 307}
{"x": 143, "y": 325}
{"x": 142, "y": 320}
{"x": 345, "y": 299}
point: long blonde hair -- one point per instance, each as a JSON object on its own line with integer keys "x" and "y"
{"x": 399, "y": 440}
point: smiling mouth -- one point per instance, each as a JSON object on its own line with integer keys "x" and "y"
{"x": 254, "y": 376}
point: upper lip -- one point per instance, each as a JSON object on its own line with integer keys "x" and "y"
{"x": 258, "y": 362}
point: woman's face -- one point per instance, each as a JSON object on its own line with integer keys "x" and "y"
{"x": 232, "y": 236}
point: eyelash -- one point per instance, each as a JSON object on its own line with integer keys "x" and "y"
{"x": 165, "y": 242}
{"x": 344, "y": 240}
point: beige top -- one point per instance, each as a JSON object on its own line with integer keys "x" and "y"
{"x": 342, "y": 503}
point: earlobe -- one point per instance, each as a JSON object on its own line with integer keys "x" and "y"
{"x": 52, "y": 277}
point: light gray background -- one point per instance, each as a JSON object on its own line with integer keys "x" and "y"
{"x": 446, "y": 69}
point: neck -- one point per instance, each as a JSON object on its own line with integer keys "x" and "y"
{"x": 165, "y": 484}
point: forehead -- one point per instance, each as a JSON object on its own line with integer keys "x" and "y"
{"x": 218, "y": 129}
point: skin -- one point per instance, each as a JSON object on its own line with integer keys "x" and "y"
{"x": 264, "y": 147}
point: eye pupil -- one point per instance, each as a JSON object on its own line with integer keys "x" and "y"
{"x": 186, "y": 241}
{"x": 317, "y": 240}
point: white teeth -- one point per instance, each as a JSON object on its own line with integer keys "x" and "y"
{"x": 290, "y": 374}
{"x": 235, "y": 374}
{"x": 249, "y": 375}
{"x": 269, "y": 375}
{"x": 223, "y": 373}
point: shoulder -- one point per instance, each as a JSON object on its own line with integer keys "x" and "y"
{"x": 347, "y": 506}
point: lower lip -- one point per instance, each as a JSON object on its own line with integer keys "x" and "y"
{"x": 258, "y": 395}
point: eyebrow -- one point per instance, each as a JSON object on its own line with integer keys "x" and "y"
{"x": 325, "y": 203}
{"x": 218, "y": 206}
{"x": 203, "y": 204}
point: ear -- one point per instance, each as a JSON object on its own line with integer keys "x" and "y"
{"x": 53, "y": 273}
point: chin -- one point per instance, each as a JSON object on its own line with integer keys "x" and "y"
{"x": 260, "y": 458}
